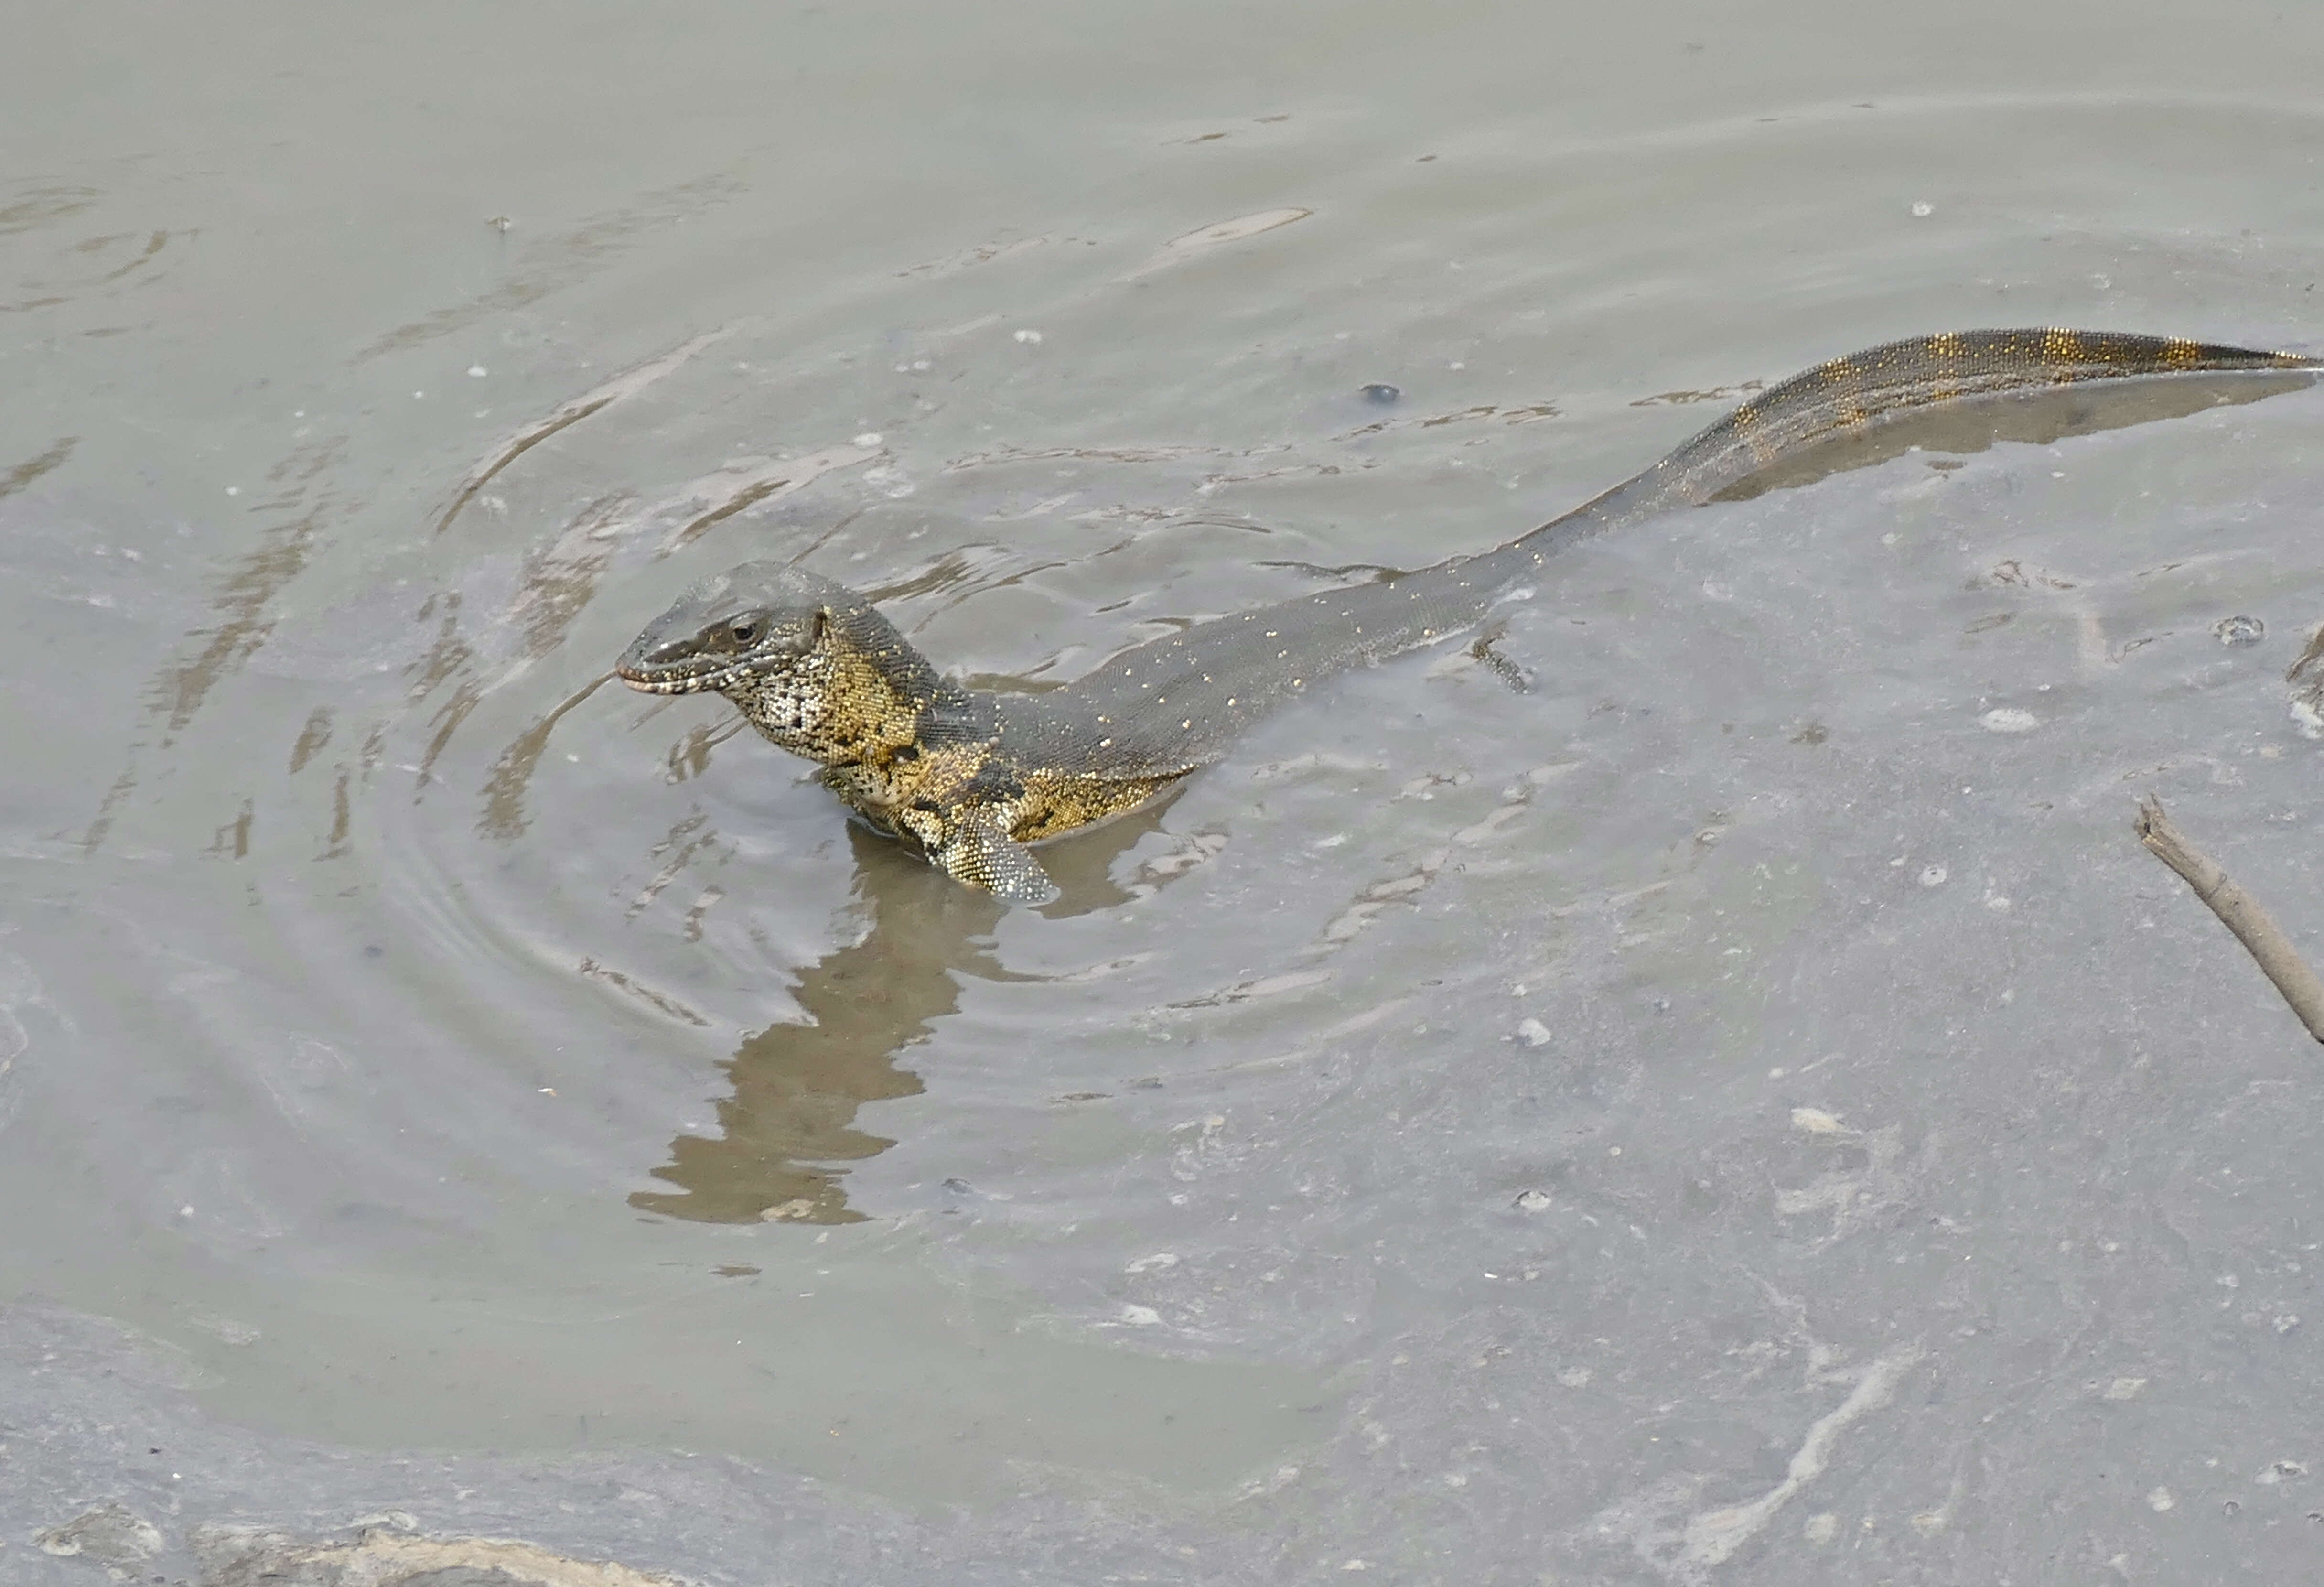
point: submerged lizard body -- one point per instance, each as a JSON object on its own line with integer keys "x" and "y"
{"x": 972, "y": 776}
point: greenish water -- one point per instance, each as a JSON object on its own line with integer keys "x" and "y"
{"x": 443, "y": 1052}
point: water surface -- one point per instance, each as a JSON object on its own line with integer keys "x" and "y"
{"x": 438, "y": 1049}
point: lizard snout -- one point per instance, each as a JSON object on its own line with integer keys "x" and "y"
{"x": 665, "y": 667}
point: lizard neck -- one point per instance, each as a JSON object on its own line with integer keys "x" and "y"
{"x": 856, "y": 697}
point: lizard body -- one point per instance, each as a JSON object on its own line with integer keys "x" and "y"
{"x": 972, "y": 776}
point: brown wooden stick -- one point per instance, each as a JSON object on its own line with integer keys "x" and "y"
{"x": 2314, "y": 652}
{"x": 2278, "y": 960}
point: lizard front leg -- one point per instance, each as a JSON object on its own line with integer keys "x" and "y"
{"x": 971, "y": 843}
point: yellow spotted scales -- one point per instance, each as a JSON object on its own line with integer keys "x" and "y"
{"x": 972, "y": 776}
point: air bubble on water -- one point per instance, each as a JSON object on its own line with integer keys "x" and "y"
{"x": 1923, "y": 208}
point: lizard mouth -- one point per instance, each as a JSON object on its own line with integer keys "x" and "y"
{"x": 679, "y": 678}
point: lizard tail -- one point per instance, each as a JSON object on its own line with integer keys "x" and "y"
{"x": 1880, "y": 384}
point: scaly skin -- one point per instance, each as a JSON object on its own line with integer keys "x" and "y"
{"x": 972, "y": 776}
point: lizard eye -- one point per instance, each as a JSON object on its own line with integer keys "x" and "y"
{"x": 745, "y": 630}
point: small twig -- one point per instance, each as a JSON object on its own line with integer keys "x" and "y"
{"x": 2313, "y": 653}
{"x": 2278, "y": 960}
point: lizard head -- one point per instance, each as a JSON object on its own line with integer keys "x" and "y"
{"x": 809, "y": 662}
{"x": 760, "y": 619}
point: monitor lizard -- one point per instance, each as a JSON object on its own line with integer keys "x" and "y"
{"x": 973, "y": 777}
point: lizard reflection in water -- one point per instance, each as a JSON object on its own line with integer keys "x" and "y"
{"x": 787, "y": 1134}
{"x": 972, "y": 776}
{"x": 789, "y": 1127}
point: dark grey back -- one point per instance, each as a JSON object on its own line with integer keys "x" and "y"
{"x": 1178, "y": 701}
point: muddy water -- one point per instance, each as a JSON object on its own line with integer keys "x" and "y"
{"x": 438, "y": 1049}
